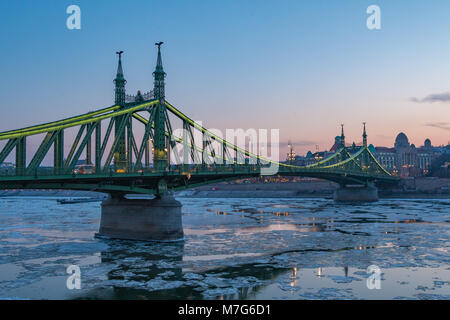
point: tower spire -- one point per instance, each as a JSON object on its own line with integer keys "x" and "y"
{"x": 364, "y": 135}
{"x": 120, "y": 82}
{"x": 120, "y": 157}
{"x": 161, "y": 147}
{"x": 159, "y": 75}
{"x": 342, "y": 135}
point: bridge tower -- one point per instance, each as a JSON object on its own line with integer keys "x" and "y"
{"x": 160, "y": 143}
{"x": 365, "y": 159}
{"x": 120, "y": 156}
{"x": 365, "y": 192}
{"x": 157, "y": 219}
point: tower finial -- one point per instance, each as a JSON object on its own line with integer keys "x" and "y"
{"x": 120, "y": 82}
{"x": 119, "y": 67}
{"x": 342, "y": 135}
{"x": 159, "y": 75}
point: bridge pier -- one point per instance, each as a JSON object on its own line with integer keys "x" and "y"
{"x": 156, "y": 219}
{"x": 364, "y": 193}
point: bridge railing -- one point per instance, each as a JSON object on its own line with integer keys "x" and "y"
{"x": 243, "y": 169}
{"x": 139, "y": 97}
{"x": 50, "y": 171}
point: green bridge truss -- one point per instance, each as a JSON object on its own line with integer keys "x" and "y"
{"x": 118, "y": 159}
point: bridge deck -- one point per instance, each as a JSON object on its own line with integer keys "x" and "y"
{"x": 176, "y": 178}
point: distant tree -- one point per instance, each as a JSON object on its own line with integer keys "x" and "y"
{"x": 436, "y": 164}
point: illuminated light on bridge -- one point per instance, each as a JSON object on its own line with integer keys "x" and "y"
{"x": 121, "y": 165}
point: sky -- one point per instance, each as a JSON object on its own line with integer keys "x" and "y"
{"x": 303, "y": 67}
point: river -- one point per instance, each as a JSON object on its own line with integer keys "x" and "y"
{"x": 233, "y": 249}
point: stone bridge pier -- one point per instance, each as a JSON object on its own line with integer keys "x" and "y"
{"x": 356, "y": 193}
{"x": 157, "y": 219}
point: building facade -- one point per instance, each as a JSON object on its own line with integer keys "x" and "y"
{"x": 405, "y": 159}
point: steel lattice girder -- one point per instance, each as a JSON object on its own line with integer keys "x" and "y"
{"x": 341, "y": 167}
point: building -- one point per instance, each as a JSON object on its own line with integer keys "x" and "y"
{"x": 386, "y": 157}
{"x": 405, "y": 159}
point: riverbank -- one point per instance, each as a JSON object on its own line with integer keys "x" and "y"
{"x": 50, "y": 193}
{"x": 410, "y": 188}
{"x": 291, "y": 194}
{"x": 425, "y": 188}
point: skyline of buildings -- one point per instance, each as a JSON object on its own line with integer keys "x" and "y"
{"x": 403, "y": 158}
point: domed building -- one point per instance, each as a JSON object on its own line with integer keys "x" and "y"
{"x": 406, "y": 159}
{"x": 401, "y": 141}
{"x": 406, "y": 155}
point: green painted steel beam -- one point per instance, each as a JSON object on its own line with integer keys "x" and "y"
{"x": 58, "y": 152}
{"x": 98, "y": 146}
{"x": 7, "y": 149}
{"x": 74, "y": 145}
{"x": 106, "y": 138}
{"x": 79, "y": 122}
{"x": 116, "y": 141}
{"x": 89, "y": 143}
{"x": 129, "y": 154}
{"x": 144, "y": 144}
{"x": 41, "y": 152}
{"x": 21, "y": 156}
{"x": 80, "y": 186}
{"x": 83, "y": 144}
{"x": 60, "y": 122}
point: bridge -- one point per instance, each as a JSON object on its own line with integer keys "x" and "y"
{"x": 120, "y": 158}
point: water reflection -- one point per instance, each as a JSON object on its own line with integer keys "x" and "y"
{"x": 319, "y": 272}
{"x": 155, "y": 271}
{"x": 158, "y": 271}
{"x": 281, "y": 227}
{"x": 136, "y": 268}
